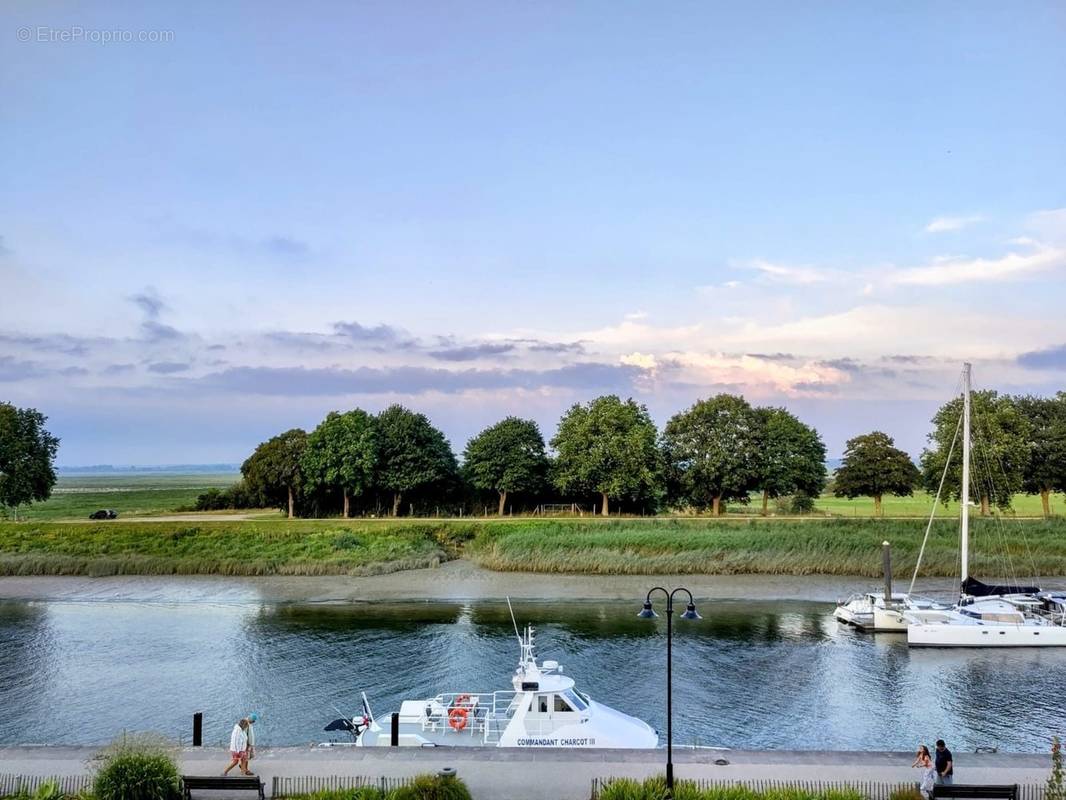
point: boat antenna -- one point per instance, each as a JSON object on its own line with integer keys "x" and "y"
{"x": 514, "y": 622}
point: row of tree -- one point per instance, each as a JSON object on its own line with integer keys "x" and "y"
{"x": 1018, "y": 445}
{"x": 720, "y": 450}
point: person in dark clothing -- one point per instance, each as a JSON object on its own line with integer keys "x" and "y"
{"x": 945, "y": 766}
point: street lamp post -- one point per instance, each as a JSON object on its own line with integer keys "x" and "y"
{"x": 647, "y": 612}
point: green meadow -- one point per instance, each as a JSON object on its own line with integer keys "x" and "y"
{"x": 76, "y": 496}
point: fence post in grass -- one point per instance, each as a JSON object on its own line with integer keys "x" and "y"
{"x": 198, "y": 729}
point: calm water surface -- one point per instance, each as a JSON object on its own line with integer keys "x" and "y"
{"x": 749, "y": 675}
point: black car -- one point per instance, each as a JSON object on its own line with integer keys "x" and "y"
{"x": 104, "y": 513}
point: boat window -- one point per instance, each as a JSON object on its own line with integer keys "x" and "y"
{"x": 583, "y": 696}
{"x": 575, "y": 700}
{"x": 543, "y": 703}
{"x": 561, "y": 704}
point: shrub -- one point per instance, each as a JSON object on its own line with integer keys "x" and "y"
{"x": 1055, "y": 789}
{"x": 362, "y": 793}
{"x": 138, "y": 768}
{"x": 432, "y": 787}
{"x": 906, "y": 793}
{"x": 801, "y": 503}
{"x": 46, "y": 791}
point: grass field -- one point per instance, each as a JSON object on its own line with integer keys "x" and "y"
{"x": 1023, "y": 505}
{"x": 146, "y": 495}
{"x": 600, "y": 547}
{"x": 274, "y": 547}
{"x": 75, "y": 497}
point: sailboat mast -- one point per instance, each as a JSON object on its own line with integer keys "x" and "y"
{"x": 965, "y": 472}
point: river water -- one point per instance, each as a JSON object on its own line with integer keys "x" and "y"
{"x": 763, "y": 674}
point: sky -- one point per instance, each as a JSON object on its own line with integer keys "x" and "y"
{"x": 219, "y": 221}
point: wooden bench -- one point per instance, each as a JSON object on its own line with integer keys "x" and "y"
{"x": 218, "y": 782}
{"x": 975, "y": 792}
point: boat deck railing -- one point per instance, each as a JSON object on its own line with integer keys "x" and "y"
{"x": 486, "y": 713}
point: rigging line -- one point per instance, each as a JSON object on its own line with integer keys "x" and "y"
{"x": 936, "y": 500}
{"x": 997, "y": 522}
{"x": 1020, "y": 529}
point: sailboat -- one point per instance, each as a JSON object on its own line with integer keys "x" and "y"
{"x": 987, "y": 615}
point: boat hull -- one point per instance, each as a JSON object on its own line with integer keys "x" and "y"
{"x": 943, "y": 635}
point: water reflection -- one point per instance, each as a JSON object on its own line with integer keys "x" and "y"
{"x": 763, "y": 674}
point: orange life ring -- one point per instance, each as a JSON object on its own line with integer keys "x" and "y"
{"x": 457, "y": 718}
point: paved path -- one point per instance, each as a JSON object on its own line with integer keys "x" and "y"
{"x": 499, "y": 774}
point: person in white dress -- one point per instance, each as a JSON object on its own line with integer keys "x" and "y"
{"x": 238, "y": 748}
{"x": 924, "y": 761}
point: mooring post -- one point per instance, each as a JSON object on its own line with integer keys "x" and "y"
{"x": 394, "y": 738}
{"x": 886, "y": 565}
{"x": 198, "y": 729}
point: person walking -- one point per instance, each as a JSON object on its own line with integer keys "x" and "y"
{"x": 924, "y": 762}
{"x": 945, "y": 765}
{"x": 250, "y": 751}
{"x": 238, "y": 747}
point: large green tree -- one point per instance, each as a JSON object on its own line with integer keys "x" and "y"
{"x": 411, "y": 453}
{"x": 27, "y": 456}
{"x": 341, "y": 453}
{"x": 275, "y": 468}
{"x": 507, "y": 457}
{"x": 873, "y": 467}
{"x": 608, "y": 447}
{"x": 791, "y": 456}
{"x": 711, "y": 452}
{"x": 1045, "y": 471}
{"x": 1000, "y": 436}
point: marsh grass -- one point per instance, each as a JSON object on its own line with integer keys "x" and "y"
{"x": 217, "y": 548}
{"x": 1000, "y": 548}
{"x": 793, "y": 547}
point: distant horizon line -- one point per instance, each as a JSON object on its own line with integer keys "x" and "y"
{"x": 191, "y": 467}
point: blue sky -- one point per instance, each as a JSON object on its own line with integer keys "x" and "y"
{"x": 479, "y": 209}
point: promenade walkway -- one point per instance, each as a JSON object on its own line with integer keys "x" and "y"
{"x": 506, "y": 774}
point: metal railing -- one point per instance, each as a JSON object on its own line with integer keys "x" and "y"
{"x": 68, "y": 784}
{"x": 871, "y": 790}
{"x": 291, "y": 786}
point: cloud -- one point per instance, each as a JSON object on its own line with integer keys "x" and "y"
{"x": 473, "y": 352}
{"x": 56, "y": 343}
{"x": 167, "y": 367}
{"x": 286, "y": 247}
{"x": 536, "y": 346}
{"x": 946, "y": 224}
{"x": 356, "y": 332}
{"x": 1053, "y": 358}
{"x": 336, "y": 381}
{"x": 158, "y": 332}
{"x": 952, "y": 270}
{"x": 277, "y": 246}
{"x": 12, "y": 369}
{"x": 149, "y": 302}
{"x": 784, "y": 273}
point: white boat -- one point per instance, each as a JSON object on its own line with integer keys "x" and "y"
{"x": 988, "y": 616}
{"x": 870, "y": 612}
{"x": 542, "y": 709}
